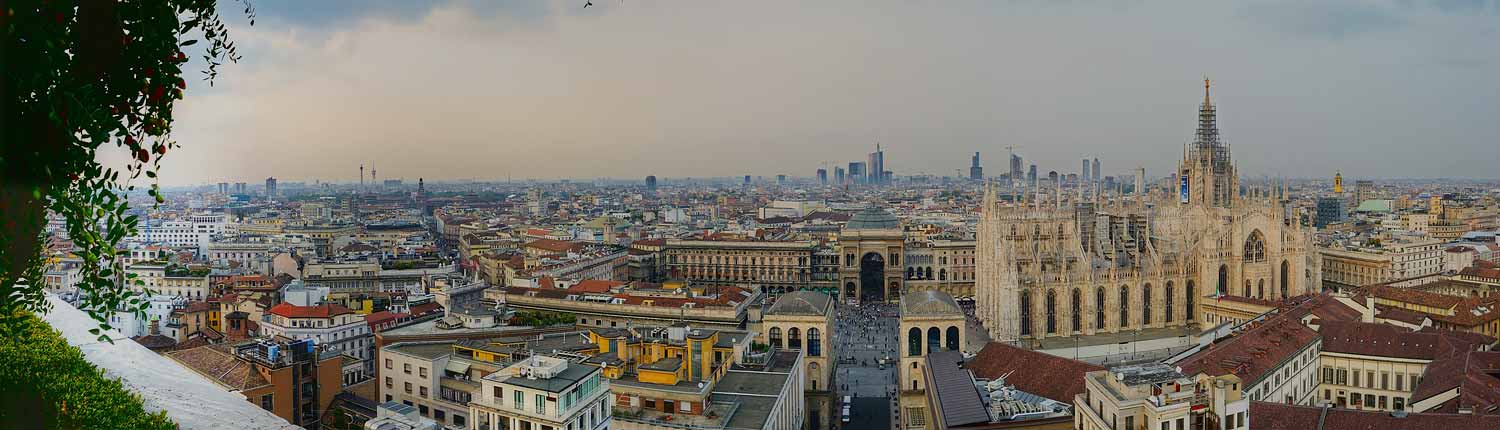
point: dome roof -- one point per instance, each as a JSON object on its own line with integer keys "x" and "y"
{"x": 929, "y": 303}
{"x": 873, "y": 218}
{"x": 800, "y": 303}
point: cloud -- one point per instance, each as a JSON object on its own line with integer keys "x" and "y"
{"x": 627, "y": 89}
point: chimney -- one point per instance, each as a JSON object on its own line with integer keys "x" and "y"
{"x": 155, "y": 327}
{"x": 1368, "y": 313}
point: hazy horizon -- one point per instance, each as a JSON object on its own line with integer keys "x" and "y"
{"x": 625, "y": 89}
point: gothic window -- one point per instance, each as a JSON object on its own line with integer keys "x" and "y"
{"x": 1077, "y": 309}
{"x": 909, "y": 272}
{"x": 1189, "y": 303}
{"x": 1223, "y": 286}
{"x": 1285, "y": 281}
{"x": 1247, "y": 288}
{"x": 1099, "y": 309}
{"x": 1025, "y": 313}
{"x": 1146, "y": 304}
{"x": 1255, "y": 248}
{"x": 1261, "y": 289}
{"x": 1124, "y": 306}
{"x": 1169, "y": 301}
{"x": 929, "y": 273}
{"x": 942, "y": 274}
{"x": 1051, "y": 312}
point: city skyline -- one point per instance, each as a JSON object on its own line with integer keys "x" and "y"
{"x": 1305, "y": 89}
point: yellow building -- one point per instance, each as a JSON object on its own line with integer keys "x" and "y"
{"x": 803, "y": 320}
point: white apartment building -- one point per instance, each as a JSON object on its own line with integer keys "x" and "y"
{"x": 194, "y": 231}
{"x": 543, "y": 392}
{"x": 326, "y": 324}
{"x": 1143, "y": 396}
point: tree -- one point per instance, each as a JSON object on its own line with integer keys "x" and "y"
{"x": 81, "y": 75}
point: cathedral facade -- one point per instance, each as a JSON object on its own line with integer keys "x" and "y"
{"x": 1080, "y": 264}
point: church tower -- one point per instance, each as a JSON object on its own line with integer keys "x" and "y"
{"x": 1208, "y": 173}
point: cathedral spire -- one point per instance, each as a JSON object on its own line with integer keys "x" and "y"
{"x": 1206, "y": 101}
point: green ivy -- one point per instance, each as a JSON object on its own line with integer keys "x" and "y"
{"x": 81, "y": 75}
{"x": 48, "y": 384}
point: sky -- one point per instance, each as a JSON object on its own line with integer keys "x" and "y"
{"x": 625, "y": 89}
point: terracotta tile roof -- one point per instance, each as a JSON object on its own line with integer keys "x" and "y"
{"x": 1398, "y": 314}
{"x": 1476, "y": 376}
{"x": 1385, "y": 340}
{"x": 425, "y": 309}
{"x": 594, "y": 286}
{"x": 1277, "y": 416}
{"x": 552, "y": 245}
{"x": 218, "y": 365}
{"x": 326, "y": 310}
{"x": 1043, "y": 374}
{"x": 1255, "y": 352}
{"x": 1407, "y": 295}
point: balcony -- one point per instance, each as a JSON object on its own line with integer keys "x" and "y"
{"x": 715, "y": 416}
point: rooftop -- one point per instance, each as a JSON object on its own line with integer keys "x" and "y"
{"x": 929, "y": 303}
{"x": 1043, "y": 374}
{"x": 810, "y": 303}
{"x": 873, "y": 218}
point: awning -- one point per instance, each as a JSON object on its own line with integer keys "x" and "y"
{"x": 458, "y": 367}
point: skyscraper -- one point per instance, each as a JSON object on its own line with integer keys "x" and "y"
{"x": 823, "y": 176}
{"x": 857, "y": 171}
{"x": 780, "y": 179}
{"x": 838, "y": 175}
{"x": 1015, "y": 168}
{"x": 1096, "y": 177}
{"x": 747, "y": 180}
{"x": 1084, "y": 174}
{"x": 651, "y": 182}
{"x": 1031, "y": 176}
{"x": 270, "y": 187}
{"x": 876, "y": 173}
{"x": 976, "y": 172}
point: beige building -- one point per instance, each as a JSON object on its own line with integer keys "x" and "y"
{"x": 804, "y": 320}
{"x": 777, "y": 266}
{"x": 1373, "y": 366}
{"x": 930, "y": 322}
{"x": 941, "y": 265}
{"x": 872, "y": 246}
{"x": 1144, "y": 396}
{"x": 1393, "y": 260}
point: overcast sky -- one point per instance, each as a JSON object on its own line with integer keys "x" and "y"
{"x": 694, "y": 88}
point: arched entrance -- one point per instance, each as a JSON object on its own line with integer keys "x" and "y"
{"x": 871, "y": 278}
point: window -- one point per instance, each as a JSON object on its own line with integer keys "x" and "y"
{"x": 388, "y": 363}
{"x": 422, "y": 391}
{"x": 1077, "y": 309}
{"x": 267, "y": 402}
{"x": 422, "y": 409}
{"x": 1124, "y": 305}
{"x": 458, "y": 421}
{"x": 814, "y": 343}
{"x": 388, "y": 382}
{"x": 499, "y": 394}
{"x": 1051, "y": 312}
{"x": 1025, "y": 313}
{"x": 516, "y": 396}
{"x": 1099, "y": 309}
{"x": 776, "y": 337}
{"x": 541, "y": 404}
{"x": 1146, "y": 304}
{"x": 422, "y": 372}
{"x": 1169, "y": 301}
{"x": 406, "y": 368}
{"x": 408, "y": 387}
